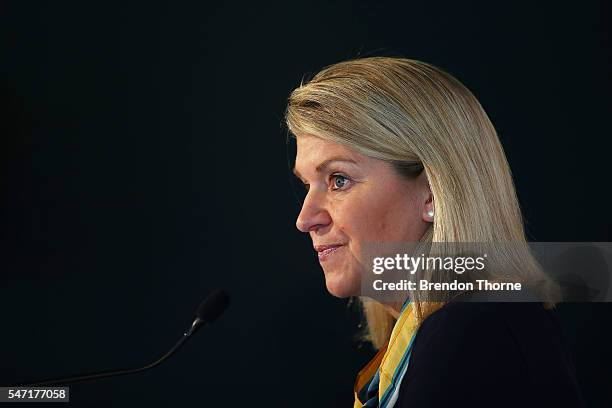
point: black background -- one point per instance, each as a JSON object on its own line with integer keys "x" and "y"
{"x": 144, "y": 163}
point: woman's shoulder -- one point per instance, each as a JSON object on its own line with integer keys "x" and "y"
{"x": 465, "y": 318}
{"x": 477, "y": 332}
{"x": 490, "y": 353}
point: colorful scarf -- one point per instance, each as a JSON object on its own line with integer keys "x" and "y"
{"x": 377, "y": 384}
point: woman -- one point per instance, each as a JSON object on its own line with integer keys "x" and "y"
{"x": 396, "y": 150}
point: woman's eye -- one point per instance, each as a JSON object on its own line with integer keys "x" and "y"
{"x": 339, "y": 181}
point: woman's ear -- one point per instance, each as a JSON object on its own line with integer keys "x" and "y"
{"x": 428, "y": 209}
{"x": 428, "y": 203}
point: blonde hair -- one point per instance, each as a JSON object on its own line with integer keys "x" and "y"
{"x": 414, "y": 115}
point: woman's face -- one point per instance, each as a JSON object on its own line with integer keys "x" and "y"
{"x": 353, "y": 200}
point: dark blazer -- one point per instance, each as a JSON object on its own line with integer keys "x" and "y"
{"x": 490, "y": 355}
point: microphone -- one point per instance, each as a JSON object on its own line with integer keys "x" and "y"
{"x": 209, "y": 310}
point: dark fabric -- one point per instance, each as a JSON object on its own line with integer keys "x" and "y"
{"x": 490, "y": 355}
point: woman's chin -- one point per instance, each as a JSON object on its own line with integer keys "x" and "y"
{"x": 340, "y": 287}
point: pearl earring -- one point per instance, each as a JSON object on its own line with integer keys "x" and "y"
{"x": 430, "y": 213}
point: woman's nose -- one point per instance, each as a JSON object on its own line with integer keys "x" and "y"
{"x": 313, "y": 215}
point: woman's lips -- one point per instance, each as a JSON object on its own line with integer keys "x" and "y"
{"x": 325, "y": 251}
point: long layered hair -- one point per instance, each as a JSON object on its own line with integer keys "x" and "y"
{"x": 414, "y": 115}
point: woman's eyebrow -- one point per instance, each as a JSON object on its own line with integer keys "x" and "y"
{"x": 326, "y": 163}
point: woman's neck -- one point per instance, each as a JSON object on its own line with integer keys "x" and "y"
{"x": 394, "y": 309}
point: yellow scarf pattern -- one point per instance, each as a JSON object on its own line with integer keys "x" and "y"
{"x": 389, "y": 365}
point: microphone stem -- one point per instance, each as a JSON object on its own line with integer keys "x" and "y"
{"x": 197, "y": 323}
